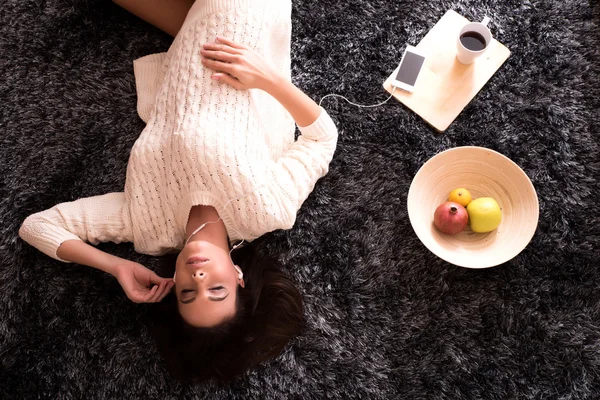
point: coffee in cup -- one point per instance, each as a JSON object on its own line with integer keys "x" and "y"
{"x": 473, "y": 40}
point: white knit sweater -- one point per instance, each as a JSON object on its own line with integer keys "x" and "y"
{"x": 205, "y": 143}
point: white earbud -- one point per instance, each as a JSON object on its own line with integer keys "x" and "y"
{"x": 240, "y": 273}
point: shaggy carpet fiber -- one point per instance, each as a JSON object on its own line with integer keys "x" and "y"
{"x": 386, "y": 319}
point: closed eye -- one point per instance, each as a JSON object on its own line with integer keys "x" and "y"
{"x": 220, "y": 293}
{"x": 212, "y": 298}
{"x": 183, "y": 292}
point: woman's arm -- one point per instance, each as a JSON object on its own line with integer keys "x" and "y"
{"x": 166, "y": 15}
{"x": 80, "y": 252}
{"x": 140, "y": 284}
{"x": 243, "y": 68}
{"x": 61, "y": 233}
{"x": 301, "y": 107}
{"x": 92, "y": 219}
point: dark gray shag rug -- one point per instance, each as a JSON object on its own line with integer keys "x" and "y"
{"x": 386, "y": 318}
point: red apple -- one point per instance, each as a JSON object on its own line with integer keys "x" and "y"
{"x": 450, "y": 218}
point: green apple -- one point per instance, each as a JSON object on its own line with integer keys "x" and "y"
{"x": 484, "y": 214}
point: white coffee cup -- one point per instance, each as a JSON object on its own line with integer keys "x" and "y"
{"x": 471, "y": 46}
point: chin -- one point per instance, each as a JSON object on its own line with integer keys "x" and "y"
{"x": 197, "y": 246}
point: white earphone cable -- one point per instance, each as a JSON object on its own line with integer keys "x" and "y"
{"x": 359, "y": 105}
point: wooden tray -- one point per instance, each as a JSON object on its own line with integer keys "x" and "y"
{"x": 446, "y": 86}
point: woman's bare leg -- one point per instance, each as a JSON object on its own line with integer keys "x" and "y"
{"x": 166, "y": 15}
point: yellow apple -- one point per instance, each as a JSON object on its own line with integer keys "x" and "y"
{"x": 484, "y": 214}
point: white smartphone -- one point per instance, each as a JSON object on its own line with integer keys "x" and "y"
{"x": 410, "y": 67}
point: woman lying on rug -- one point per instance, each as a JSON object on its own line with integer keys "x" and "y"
{"x": 216, "y": 164}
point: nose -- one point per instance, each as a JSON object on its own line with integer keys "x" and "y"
{"x": 199, "y": 275}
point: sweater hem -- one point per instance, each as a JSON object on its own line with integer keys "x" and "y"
{"x": 207, "y": 7}
{"x": 147, "y": 71}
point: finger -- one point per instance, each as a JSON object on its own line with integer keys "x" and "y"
{"x": 220, "y": 55}
{"x": 155, "y": 279}
{"x": 153, "y": 293}
{"x": 228, "y": 79}
{"x": 146, "y": 298}
{"x": 166, "y": 291}
{"x": 230, "y": 43}
{"x": 220, "y": 47}
{"x": 161, "y": 292}
{"x": 218, "y": 65}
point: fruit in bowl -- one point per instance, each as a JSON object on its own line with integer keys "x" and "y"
{"x": 482, "y": 214}
{"x": 461, "y": 196}
{"x": 485, "y": 214}
{"x": 450, "y": 218}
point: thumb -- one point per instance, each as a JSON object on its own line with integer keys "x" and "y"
{"x": 140, "y": 296}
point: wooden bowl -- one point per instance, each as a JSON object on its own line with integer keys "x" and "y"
{"x": 485, "y": 173}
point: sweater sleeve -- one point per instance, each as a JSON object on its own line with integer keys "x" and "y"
{"x": 149, "y": 72}
{"x": 294, "y": 175}
{"x": 92, "y": 219}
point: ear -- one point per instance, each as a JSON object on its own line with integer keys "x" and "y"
{"x": 174, "y": 276}
{"x": 240, "y": 276}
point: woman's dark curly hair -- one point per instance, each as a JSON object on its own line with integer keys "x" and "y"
{"x": 269, "y": 314}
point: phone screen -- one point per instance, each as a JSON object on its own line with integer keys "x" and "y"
{"x": 410, "y": 67}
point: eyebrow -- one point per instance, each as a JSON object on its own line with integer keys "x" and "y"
{"x": 210, "y": 298}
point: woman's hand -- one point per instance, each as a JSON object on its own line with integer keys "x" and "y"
{"x": 141, "y": 284}
{"x": 237, "y": 65}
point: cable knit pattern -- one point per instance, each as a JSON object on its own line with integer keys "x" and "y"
{"x": 205, "y": 143}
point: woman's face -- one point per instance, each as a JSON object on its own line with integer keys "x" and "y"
{"x": 206, "y": 282}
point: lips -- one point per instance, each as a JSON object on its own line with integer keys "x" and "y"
{"x": 197, "y": 260}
